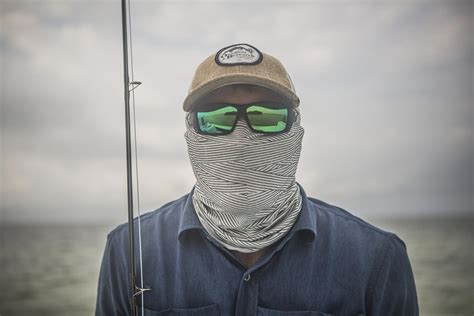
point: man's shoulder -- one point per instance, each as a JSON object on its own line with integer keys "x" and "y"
{"x": 341, "y": 224}
{"x": 169, "y": 213}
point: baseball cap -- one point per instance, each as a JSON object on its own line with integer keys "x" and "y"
{"x": 240, "y": 64}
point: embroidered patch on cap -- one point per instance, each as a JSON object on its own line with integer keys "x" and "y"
{"x": 238, "y": 54}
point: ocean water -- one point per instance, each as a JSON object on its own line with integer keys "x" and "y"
{"x": 53, "y": 270}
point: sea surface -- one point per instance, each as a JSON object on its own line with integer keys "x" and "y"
{"x": 53, "y": 270}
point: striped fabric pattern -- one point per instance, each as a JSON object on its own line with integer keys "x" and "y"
{"x": 246, "y": 196}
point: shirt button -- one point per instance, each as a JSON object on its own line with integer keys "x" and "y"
{"x": 246, "y": 277}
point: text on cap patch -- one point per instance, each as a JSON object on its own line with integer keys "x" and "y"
{"x": 238, "y": 54}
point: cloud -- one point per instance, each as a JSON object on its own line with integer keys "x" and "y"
{"x": 386, "y": 92}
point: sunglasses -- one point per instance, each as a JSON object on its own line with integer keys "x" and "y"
{"x": 264, "y": 117}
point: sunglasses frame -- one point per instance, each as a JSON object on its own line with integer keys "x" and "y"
{"x": 242, "y": 112}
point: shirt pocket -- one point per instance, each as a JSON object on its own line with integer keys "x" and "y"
{"x": 209, "y": 310}
{"x": 271, "y": 312}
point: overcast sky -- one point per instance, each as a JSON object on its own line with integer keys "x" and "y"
{"x": 386, "y": 93}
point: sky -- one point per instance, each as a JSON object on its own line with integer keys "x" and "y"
{"x": 386, "y": 91}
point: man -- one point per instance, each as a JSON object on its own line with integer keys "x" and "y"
{"x": 247, "y": 240}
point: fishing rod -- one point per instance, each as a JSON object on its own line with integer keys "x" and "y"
{"x": 135, "y": 290}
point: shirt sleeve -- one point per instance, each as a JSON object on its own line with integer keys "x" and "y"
{"x": 393, "y": 291}
{"x": 113, "y": 287}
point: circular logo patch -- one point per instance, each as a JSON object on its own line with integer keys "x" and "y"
{"x": 238, "y": 54}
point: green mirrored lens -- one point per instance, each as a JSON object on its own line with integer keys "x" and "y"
{"x": 267, "y": 119}
{"x": 217, "y": 121}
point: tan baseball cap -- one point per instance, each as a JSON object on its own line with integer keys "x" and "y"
{"x": 240, "y": 64}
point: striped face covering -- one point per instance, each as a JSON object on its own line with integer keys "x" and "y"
{"x": 246, "y": 196}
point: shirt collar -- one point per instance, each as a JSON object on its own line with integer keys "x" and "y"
{"x": 306, "y": 222}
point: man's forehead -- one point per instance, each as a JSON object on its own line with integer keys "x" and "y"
{"x": 241, "y": 93}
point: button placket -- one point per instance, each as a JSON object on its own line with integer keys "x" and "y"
{"x": 247, "y": 297}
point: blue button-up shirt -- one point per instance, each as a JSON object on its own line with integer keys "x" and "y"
{"x": 329, "y": 263}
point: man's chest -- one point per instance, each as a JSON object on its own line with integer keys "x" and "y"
{"x": 290, "y": 281}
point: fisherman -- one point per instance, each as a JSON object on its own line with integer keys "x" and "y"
{"x": 247, "y": 240}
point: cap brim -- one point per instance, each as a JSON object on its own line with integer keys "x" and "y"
{"x": 219, "y": 82}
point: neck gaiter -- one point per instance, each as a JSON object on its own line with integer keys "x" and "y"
{"x": 246, "y": 196}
